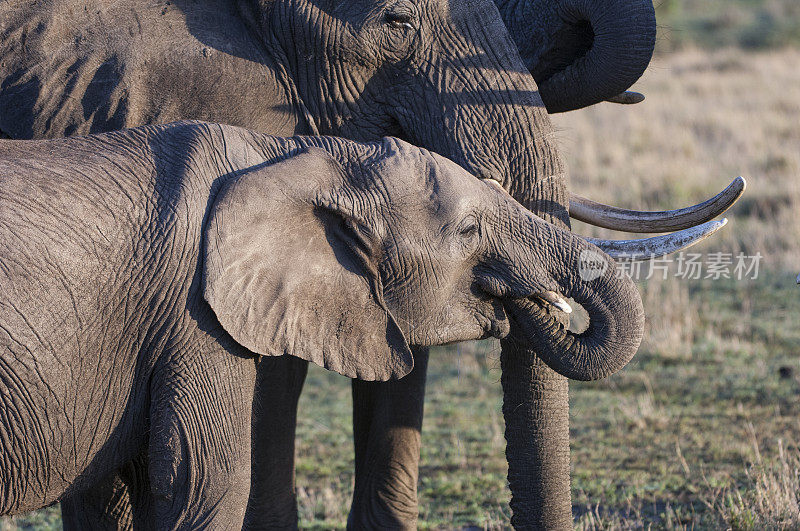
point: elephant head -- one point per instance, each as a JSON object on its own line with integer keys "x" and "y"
{"x": 348, "y": 262}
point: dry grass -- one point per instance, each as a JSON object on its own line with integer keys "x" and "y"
{"x": 770, "y": 499}
{"x": 708, "y": 118}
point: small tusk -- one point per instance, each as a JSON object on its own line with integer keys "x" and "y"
{"x": 650, "y": 248}
{"x": 556, "y": 300}
{"x": 614, "y": 218}
{"x": 495, "y": 183}
{"x": 627, "y": 98}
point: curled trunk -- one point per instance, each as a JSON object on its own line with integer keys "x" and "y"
{"x": 614, "y": 305}
{"x": 582, "y": 52}
{"x": 542, "y": 352}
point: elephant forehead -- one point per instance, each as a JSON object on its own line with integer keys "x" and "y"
{"x": 427, "y": 183}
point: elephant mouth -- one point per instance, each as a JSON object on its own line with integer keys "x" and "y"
{"x": 554, "y": 299}
{"x": 529, "y": 316}
{"x": 495, "y": 323}
{"x": 517, "y": 310}
{"x": 519, "y": 307}
{"x": 547, "y": 309}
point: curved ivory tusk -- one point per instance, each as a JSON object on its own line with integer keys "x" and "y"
{"x": 556, "y": 300}
{"x": 651, "y": 248}
{"x": 647, "y": 248}
{"x": 627, "y": 98}
{"x": 615, "y": 218}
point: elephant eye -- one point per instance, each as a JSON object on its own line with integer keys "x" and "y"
{"x": 468, "y": 227}
{"x": 398, "y": 20}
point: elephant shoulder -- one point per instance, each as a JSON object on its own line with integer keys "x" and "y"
{"x": 73, "y": 67}
{"x": 63, "y": 71}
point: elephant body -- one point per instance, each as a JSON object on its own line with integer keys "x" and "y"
{"x": 102, "y": 330}
{"x": 87, "y": 71}
{"x": 444, "y": 75}
{"x": 109, "y": 352}
{"x": 143, "y": 269}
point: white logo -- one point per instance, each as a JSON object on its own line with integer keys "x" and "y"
{"x": 592, "y": 265}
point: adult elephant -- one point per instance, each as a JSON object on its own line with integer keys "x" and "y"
{"x": 442, "y": 74}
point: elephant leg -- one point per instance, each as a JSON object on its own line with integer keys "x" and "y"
{"x": 387, "y": 421}
{"x": 199, "y": 447}
{"x": 272, "y": 503}
{"x": 536, "y": 410}
{"x": 104, "y": 507}
{"x": 109, "y": 504}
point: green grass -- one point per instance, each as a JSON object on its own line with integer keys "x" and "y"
{"x": 679, "y": 438}
{"x": 748, "y": 24}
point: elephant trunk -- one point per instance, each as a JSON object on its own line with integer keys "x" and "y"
{"x": 623, "y": 37}
{"x": 536, "y": 413}
{"x": 582, "y": 52}
{"x": 611, "y": 299}
{"x": 535, "y": 394}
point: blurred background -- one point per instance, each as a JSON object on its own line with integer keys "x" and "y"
{"x": 702, "y": 429}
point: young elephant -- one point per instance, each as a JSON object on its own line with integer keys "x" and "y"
{"x": 140, "y": 271}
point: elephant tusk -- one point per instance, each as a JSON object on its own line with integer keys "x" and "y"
{"x": 495, "y": 183}
{"x": 614, "y": 218}
{"x": 627, "y": 98}
{"x": 659, "y": 246}
{"x": 556, "y": 300}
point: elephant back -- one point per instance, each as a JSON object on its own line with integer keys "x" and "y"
{"x": 93, "y": 66}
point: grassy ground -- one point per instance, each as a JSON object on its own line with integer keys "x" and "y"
{"x": 748, "y": 24}
{"x": 702, "y": 429}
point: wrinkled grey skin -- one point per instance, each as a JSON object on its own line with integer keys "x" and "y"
{"x": 581, "y": 51}
{"x": 453, "y": 83}
{"x": 140, "y": 269}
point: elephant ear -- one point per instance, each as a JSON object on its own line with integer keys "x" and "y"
{"x": 290, "y": 269}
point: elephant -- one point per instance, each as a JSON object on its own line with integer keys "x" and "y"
{"x": 143, "y": 271}
{"x": 445, "y": 75}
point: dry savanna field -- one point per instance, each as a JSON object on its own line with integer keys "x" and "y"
{"x": 702, "y": 429}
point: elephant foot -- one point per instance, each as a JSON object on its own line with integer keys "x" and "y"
{"x": 382, "y": 506}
